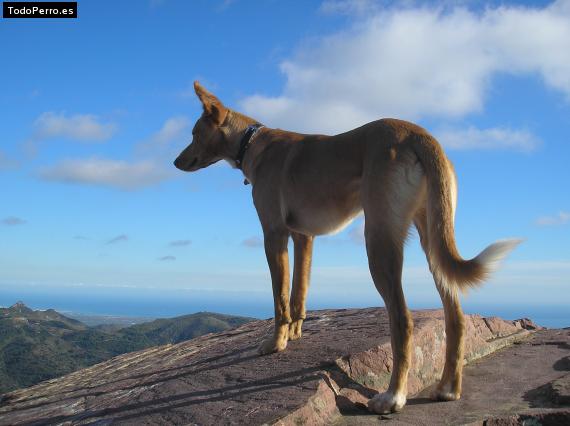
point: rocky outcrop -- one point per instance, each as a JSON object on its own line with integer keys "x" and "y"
{"x": 523, "y": 384}
{"x": 342, "y": 359}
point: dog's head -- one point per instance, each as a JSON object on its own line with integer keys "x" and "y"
{"x": 209, "y": 142}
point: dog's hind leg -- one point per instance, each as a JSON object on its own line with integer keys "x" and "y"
{"x": 278, "y": 260}
{"x": 385, "y": 259}
{"x": 301, "y": 272}
{"x": 449, "y": 388}
{"x": 391, "y": 194}
{"x": 388, "y": 215}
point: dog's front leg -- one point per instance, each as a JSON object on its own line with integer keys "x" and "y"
{"x": 301, "y": 273}
{"x": 278, "y": 260}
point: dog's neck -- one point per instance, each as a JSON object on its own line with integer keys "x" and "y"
{"x": 234, "y": 127}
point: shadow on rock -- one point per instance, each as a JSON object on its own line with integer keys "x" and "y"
{"x": 563, "y": 364}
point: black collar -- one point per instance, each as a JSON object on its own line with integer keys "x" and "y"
{"x": 246, "y": 142}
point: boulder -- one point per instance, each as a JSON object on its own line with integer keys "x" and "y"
{"x": 343, "y": 357}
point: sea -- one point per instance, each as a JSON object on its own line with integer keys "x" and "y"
{"x": 153, "y": 303}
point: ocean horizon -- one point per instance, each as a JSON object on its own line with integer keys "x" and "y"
{"x": 145, "y": 303}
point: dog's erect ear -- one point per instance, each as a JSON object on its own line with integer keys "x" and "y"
{"x": 213, "y": 107}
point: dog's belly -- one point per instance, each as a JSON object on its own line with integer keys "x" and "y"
{"x": 323, "y": 215}
{"x": 320, "y": 222}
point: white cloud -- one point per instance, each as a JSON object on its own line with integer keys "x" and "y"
{"x": 356, "y": 234}
{"x": 105, "y": 172}
{"x": 118, "y": 239}
{"x": 562, "y": 218}
{"x": 78, "y": 127}
{"x": 180, "y": 243}
{"x": 174, "y": 128}
{"x": 164, "y": 145}
{"x": 253, "y": 242}
{"x": 416, "y": 62}
{"x": 166, "y": 258}
{"x": 12, "y": 221}
{"x": 493, "y": 138}
{"x": 127, "y": 175}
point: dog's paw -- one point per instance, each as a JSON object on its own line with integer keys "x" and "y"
{"x": 386, "y": 402}
{"x": 441, "y": 395}
{"x": 295, "y": 329}
{"x": 271, "y": 345}
{"x": 446, "y": 391}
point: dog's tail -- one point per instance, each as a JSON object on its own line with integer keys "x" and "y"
{"x": 456, "y": 272}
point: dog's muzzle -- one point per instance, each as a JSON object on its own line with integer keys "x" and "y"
{"x": 184, "y": 165}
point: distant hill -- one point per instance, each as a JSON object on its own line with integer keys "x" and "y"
{"x": 114, "y": 321}
{"x": 40, "y": 345}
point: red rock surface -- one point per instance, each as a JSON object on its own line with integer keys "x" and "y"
{"x": 523, "y": 384}
{"x": 219, "y": 379}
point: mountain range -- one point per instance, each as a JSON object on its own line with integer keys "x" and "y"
{"x": 40, "y": 345}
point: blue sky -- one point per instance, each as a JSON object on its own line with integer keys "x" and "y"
{"x": 94, "y": 110}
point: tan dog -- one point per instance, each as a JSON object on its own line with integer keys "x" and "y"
{"x": 308, "y": 185}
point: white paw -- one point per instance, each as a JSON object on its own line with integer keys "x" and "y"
{"x": 387, "y": 402}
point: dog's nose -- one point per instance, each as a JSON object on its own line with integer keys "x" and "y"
{"x": 177, "y": 163}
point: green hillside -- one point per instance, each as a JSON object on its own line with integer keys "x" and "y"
{"x": 40, "y": 345}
